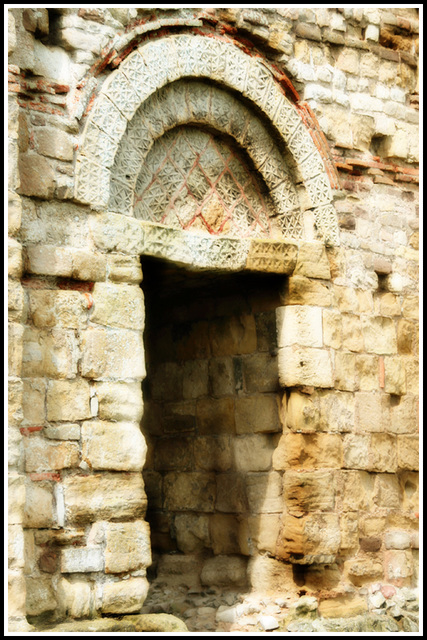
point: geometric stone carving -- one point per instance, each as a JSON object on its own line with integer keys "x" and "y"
{"x": 118, "y": 127}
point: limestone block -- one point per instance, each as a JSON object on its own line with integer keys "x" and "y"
{"x": 308, "y": 451}
{"x": 349, "y": 526}
{"x": 397, "y": 539}
{"x": 167, "y": 381}
{"x": 224, "y": 534}
{"x": 352, "y": 338}
{"x": 66, "y": 431}
{"x": 192, "y": 532}
{"x": 264, "y": 492}
{"x": 196, "y": 343}
{"x": 68, "y": 400}
{"x": 346, "y": 299}
{"x": 332, "y": 328}
{"x": 40, "y": 595}
{"x": 195, "y": 379}
{"x": 54, "y": 143}
{"x": 345, "y": 371}
{"x": 194, "y": 491}
{"x": 406, "y": 336}
{"x": 371, "y": 412}
{"x": 262, "y": 533}
{"x": 304, "y": 291}
{"x": 33, "y": 401}
{"x": 115, "y": 353}
{"x": 254, "y": 452}
{"x": 337, "y": 411}
{"x": 213, "y": 453}
{"x": 15, "y": 348}
{"x": 88, "y": 265}
{"x": 15, "y": 389}
{"x": 119, "y": 401}
{"x": 115, "y": 232}
{"x": 55, "y": 224}
{"x": 303, "y": 412}
{"x": 313, "y": 536}
{"x": 305, "y": 366}
{"x": 15, "y": 301}
{"x": 123, "y": 268}
{"x": 343, "y": 607}
{"x": 14, "y": 448}
{"x": 15, "y": 546}
{"x": 299, "y": 325}
{"x": 308, "y": 491}
{"x": 174, "y": 454}
{"x": 233, "y": 335}
{"x": 373, "y": 526}
{"x": 367, "y": 372}
{"x": 37, "y": 176}
{"x": 268, "y": 575}
{"x": 231, "y": 493}
{"x": 410, "y": 307}
{"x": 224, "y": 570}
{"x": 16, "y": 499}
{"x": 104, "y": 496}
{"x": 398, "y": 565}
{"x": 74, "y": 596}
{"x": 14, "y": 258}
{"x": 257, "y": 414}
{"x": 357, "y": 449}
{"x": 379, "y": 334}
{"x": 407, "y": 452}
{"x": 16, "y": 597}
{"x": 356, "y": 490}
{"x": 113, "y": 445}
{"x": 82, "y": 559}
{"x": 404, "y": 415}
{"x": 387, "y": 491}
{"x": 124, "y": 596}
{"x": 215, "y": 415}
{"x": 118, "y": 306}
{"x": 14, "y": 213}
{"x": 383, "y": 452}
{"x": 39, "y": 505}
{"x": 48, "y": 260}
{"x": 44, "y": 455}
{"x": 260, "y": 373}
{"x": 50, "y": 353}
{"x": 312, "y": 261}
{"x": 395, "y": 375}
{"x": 221, "y": 376}
{"x": 67, "y": 309}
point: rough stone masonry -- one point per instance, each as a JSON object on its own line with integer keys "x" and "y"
{"x": 213, "y": 285}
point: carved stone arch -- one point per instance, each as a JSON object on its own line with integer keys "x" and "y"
{"x": 137, "y": 84}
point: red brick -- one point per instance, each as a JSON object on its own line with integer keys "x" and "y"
{"x": 46, "y": 475}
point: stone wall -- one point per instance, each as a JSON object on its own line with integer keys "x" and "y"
{"x": 333, "y": 93}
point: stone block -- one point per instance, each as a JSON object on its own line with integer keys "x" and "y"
{"x": 88, "y": 265}
{"x": 215, "y": 416}
{"x": 16, "y": 498}
{"x": 33, "y": 402}
{"x": 16, "y": 308}
{"x": 268, "y": 575}
{"x": 411, "y": 307}
{"x": 395, "y": 375}
{"x": 379, "y": 334}
{"x": 397, "y": 539}
{"x": 49, "y": 260}
{"x": 299, "y": 325}
{"x": 15, "y": 348}
{"x": 194, "y": 491}
{"x": 115, "y": 353}
{"x": 127, "y": 546}
{"x": 316, "y": 537}
{"x": 14, "y": 213}
{"x": 231, "y": 493}
{"x": 174, "y": 454}
{"x": 221, "y": 376}
{"x": 404, "y": 415}
{"x": 195, "y": 379}
{"x": 260, "y": 373}
{"x": 50, "y": 353}
{"x": 43, "y": 455}
{"x": 312, "y": 261}
{"x": 332, "y": 328}
{"x": 254, "y": 452}
{"x": 69, "y": 431}
{"x": 337, "y": 411}
{"x": 343, "y": 607}
{"x": 305, "y": 366}
{"x": 356, "y": 490}
{"x": 223, "y": 571}
{"x": 104, "y": 496}
{"x": 39, "y": 506}
{"x": 126, "y": 269}
{"x": 303, "y": 412}
{"x": 406, "y": 336}
{"x": 192, "y": 532}
{"x": 233, "y": 335}
{"x": 352, "y": 338}
{"x": 40, "y": 595}
{"x": 308, "y": 491}
{"x": 261, "y": 533}
{"x": 308, "y": 451}
{"x": 257, "y": 414}
{"x": 124, "y": 596}
{"x": 119, "y": 401}
{"x": 118, "y": 306}
{"x": 264, "y": 492}
{"x": 367, "y": 372}
{"x": 371, "y": 412}
{"x": 82, "y": 560}
{"x": 67, "y": 309}
{"x": 68, "y": 400}
{"x": 118, "y": 446}
{"x": 383, "y": 452}
{"x": 357, "y": 450}
{"x": 345, "y": 371}
{"x": 54, "y": 143}
{"x": 37, "y": 176}
{"x": 387, "y": 491}
{"x": 167, "y": 381}
{"x": 301, "y": 290}
{"x": 399, "y": 565}
{"x": 349, "y": 526}
{"x": 15, "y": 546}
{"x": 15, "y": 388}
{"x": 75, "y": 597}
{"x": 14, "y": 258}
{"x": 408, "y": 452}
{"x": 213, "y": 453}
{"x": 224, "y": 534}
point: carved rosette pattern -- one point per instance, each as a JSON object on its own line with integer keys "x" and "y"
{"x": 132, "y": 92}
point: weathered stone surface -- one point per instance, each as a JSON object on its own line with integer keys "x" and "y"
{"x": 308, "y": 491}
{"x": 407, "y": 452}
{"x": 254, "y": 452}
{"x": 68, "y": 309}
{"x": 74, "y": 596}
{"x": 308, "y": 451}
{"x": 301, "y": 325}
{"x": 264, "y": 492}
{"x": 40, "y": 595}
{"x": 119, "y": 401}
{"x": 108, "y": 495}
{"x": 82, "y": 560}
{"x": 302, "y": 290}
{"x": 42, "y": 455}
{"x": 68, "y": 400}
{"x": 139, "y": 623}
{"x": 118, "y": 446}
{"x": 125, "y": 596}
{"x": 193, "y": 491}
{"x": 118, "y": 306}
{"x": 50, "y": 353}
{"x": 37, "y": 176}
{"x": 305, "y": 366}
{"x": 224, "y": 570}
{"x": 257, "y": 414}
{"x": 127, "y": 546}
{"x": 342, "y": 607}
{"x": 313, "y": 538}
{"x": 115, "y": 353}
{"x": 379, "y": 334}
